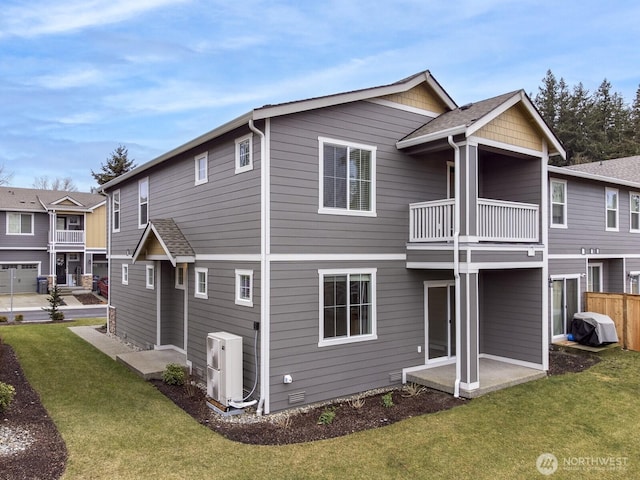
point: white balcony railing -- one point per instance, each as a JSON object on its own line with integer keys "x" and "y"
{"x": 498, "y": 221}
{"x": 431, "y": 221}
{"x": 74, "y": 237}
{"x": 501, "y": 221}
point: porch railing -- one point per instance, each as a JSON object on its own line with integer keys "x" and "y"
{"x": 70, "y": 236}
{"x": 501, "y": 221}
{"x": 431, "y": 221}
{"x": 498, "y": 221}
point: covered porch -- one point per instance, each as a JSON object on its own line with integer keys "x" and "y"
{"x": 494, "y": 375}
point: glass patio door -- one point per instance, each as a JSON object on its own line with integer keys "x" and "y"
{"x": 440, "y": 321}
{"x": 564, "y": 303}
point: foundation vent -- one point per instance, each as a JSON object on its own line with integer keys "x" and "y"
{"x": 395, "y": 377}
{"x": 297, "y": 397}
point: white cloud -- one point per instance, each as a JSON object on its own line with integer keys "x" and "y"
{"x": 54, "y": 17}
{"x": 79, "y": 77}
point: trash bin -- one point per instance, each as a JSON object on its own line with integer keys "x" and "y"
{"x": 95, "y": 283}
{"x": 43, "y": 285}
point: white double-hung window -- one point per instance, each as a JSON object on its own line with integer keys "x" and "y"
{"x": 558, "y": 203}
{"x": 19, "y": 223}
{"x": 612, "y": 209}
{"x": 634, "y": 212}
{"x": 347, "y": 306}
{"x": 347, "y": 178}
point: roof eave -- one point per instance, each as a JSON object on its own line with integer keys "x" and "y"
{"x": 430, "y": 137}
{"x": 592, "y": 176}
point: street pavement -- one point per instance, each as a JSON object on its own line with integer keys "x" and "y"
{"x": 31, "y": 305}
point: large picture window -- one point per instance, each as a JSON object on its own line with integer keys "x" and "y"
{"x": 347, "y": 311}
{"x": 347, "y": 178}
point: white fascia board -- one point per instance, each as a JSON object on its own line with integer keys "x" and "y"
{"x": 592, "y": 176}
{"x": 493, "y": 114}
{"x": 460, "y": 129}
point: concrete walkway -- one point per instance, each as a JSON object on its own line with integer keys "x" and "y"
{"x": 149, "y": 364}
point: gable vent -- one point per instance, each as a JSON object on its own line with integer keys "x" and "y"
{"x": 297, "y": 397}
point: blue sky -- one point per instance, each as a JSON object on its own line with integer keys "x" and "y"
{"x": 80, "y": 77}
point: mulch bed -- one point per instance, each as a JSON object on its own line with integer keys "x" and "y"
{"x": 89, "y": 299}
{"x": 46, "y": 457}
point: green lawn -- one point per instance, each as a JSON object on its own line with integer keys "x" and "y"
{"x": 117, "y": 426}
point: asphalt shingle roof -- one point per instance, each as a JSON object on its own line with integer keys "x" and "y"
{"x": 173, "y": 238}
{"x": 627, "y": 168}
{"x": 31, "y": 199}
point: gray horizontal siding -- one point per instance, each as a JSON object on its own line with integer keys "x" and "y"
{"x": 135, "y": 305}
{"x": 172, "y": 308}
{"x": 328, "y": 372}
{"x": 219, "y": 313}
{"x": 586, "y": 221}
{"x": 27, "y": 256}
{"x": 296, "y": 225}
{"x": 39, "y": 239}
{"x": 511, "y": 324}
{"x": 220, "y": 216}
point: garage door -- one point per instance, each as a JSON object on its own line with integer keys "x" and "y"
{"x": 25, "y": 280}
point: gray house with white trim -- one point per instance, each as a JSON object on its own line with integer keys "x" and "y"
{"x": 353, "y": 241}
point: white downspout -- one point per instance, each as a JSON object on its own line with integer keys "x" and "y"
{"x": 265, "y": 275}
{"x": 109, "y": 217}
{"x": 456, "y": 259}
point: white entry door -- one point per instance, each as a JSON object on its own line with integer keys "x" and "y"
{"x": 440, "y": 321}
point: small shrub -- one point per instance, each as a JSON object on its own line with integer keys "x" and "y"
{"x": 7, "y": 392}
{"x": 19, "y": 317}
{"x": 387, "y": 400}
{"x": 356, "y": 403}
{"x": 282, "y": 421}
{"x": 3, "y": 319}
{"x": 327, "y": 416}
{"x": 174, "y": 374}
{"x": 412, "y": 390}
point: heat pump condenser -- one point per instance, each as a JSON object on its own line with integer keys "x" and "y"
{"x": 224, "y": 367}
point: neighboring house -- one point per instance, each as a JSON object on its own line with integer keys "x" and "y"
{"x": 351, "y": 240}
{"x": 53, "y": 234}
{"x": 594, "y": 234}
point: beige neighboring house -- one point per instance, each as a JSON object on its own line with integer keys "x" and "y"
{"x": 60, "y": 236}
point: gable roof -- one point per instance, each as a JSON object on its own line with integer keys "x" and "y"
{"x": 166, "y": 234}
{"x": 269, "y": 111}
{"x": 34, "y": 200}
{"x": 627, "y": 168}
{"x": 468, "y": 119}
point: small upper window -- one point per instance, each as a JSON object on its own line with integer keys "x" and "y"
{"x": 558, "y": 203}
{"x": 143, "y": 202}
{"x": 612, "y": 209}
{"x": 347, "y": 176}
{"x": 244, "y": 287}
{"x": 201, "y": 167}
{"x": 115, "y": 211}
{"x": 150, "y": 277}
{"x": 19, "y": 223}
{"x": 201, "y": 288}
{"x": 180, "y": 275}
{"x": 125, "y": 274}
{"x": 244, "y": 154}
{"x": 634, "y": 201}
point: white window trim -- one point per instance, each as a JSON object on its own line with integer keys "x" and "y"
{"x": 140, "y": 182}
{"x": 20, "y": 234}
{"x": 181, "y": 268}
{"x": 564, "y": 205}
{"x": 113, "y": 211}
{"x": 632, "y": 274}
{"x": 125, "y": 274}
{"x": 203, "y": 156}
{"x": 374, "y": 321}
{"x": 197, "y": 293}
{"x": 245, "y": 168}
{"x": 346, "y": 211}
{"x": 606, "y": 210}
{"x": 150, "y": 269}
{"x": 631, "y": 213}
{"x": 239, "y": 300}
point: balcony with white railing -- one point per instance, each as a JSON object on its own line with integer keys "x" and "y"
{"x": 497, "y": 221}
{"x": 69, "y": 237}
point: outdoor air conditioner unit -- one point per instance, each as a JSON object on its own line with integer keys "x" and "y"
{"x": 224, "y": 367}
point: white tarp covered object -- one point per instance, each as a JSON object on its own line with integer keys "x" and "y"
{"x": 594, "y": 329}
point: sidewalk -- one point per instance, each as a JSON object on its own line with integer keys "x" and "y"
{"x": 24, "y": 302}
{"x": 106, "y": 344}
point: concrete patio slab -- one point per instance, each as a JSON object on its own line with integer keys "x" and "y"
{"x": 106, "y": 344}
{"x": 494, "y": 375}
{"x": 150, "y": 364}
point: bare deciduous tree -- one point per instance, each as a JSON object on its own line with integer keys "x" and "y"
{"x": 62, "y": 184}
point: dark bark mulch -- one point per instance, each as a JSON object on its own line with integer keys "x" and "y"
{"x": 46, "y": 457}
{"x": 89, "y": 299}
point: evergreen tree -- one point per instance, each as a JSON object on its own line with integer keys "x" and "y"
{"x": 117, "y": 164}
{"x": 547, "y": 99}
{"x": 55, "y": 300}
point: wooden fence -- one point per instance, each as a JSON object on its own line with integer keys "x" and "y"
{"x": 624, "y": 310}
